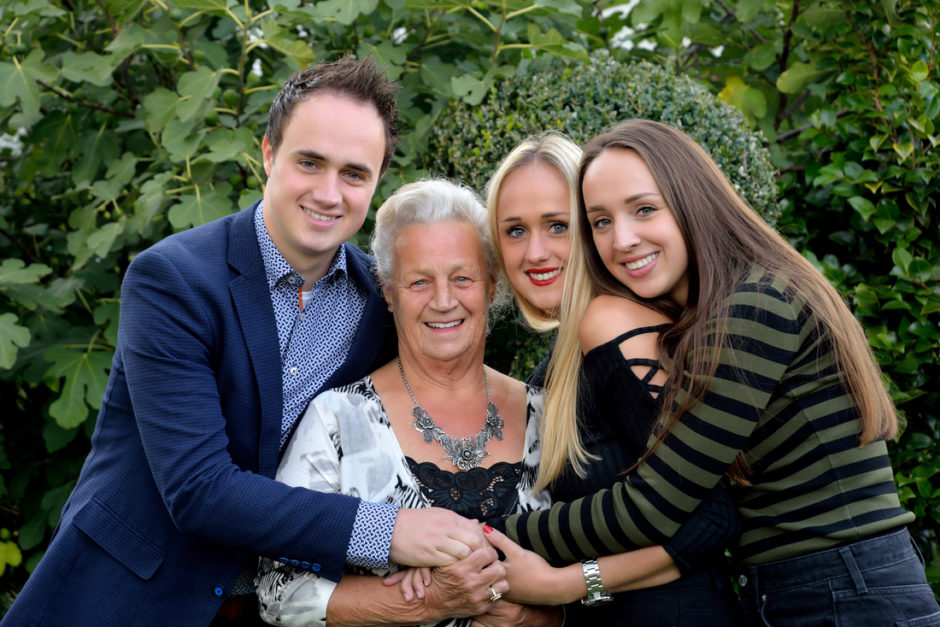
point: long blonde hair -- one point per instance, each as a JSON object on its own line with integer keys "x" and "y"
{"x": 725, "y": 239}
{"x": 558, "y": 151}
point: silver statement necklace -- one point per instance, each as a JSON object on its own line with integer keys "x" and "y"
{"x": 465, "y": 453}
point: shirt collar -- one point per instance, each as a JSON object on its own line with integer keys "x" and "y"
{"x": 276, "y": 267}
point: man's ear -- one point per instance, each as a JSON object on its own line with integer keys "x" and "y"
{"x": 267, "y": 154}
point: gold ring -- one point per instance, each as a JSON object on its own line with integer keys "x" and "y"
{"x": 496, "y": 596}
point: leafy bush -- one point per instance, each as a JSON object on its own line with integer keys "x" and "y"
{"x": 122, "y": 121}
{"x": 582, "y": 99}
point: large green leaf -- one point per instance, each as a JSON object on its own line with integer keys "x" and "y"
{"x": 344, "y": 11}
{"x": 797, "y": 76}
{"x": 18, "y": 83}
{"x": 229, "y": 145}
{"x": 287, "y": 43}
{"x": 14, "y": 271}
{"x": 88, "y": 67}
{"x": 216, "y": 7}
{"x": 12, "y": 336}
{"x": 159, "y": 107}
{"x": 194, "y": 89}
{"x": 86, "y": 376}
{"x": 203, "y": 206}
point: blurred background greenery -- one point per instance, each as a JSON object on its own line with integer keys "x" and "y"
{"x": 126, "y": 120}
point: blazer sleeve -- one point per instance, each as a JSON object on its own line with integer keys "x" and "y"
{"x": 293, "y": 595}
{"x": 176, "y": 329}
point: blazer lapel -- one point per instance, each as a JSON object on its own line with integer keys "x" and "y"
{"x": 252, "y": 302}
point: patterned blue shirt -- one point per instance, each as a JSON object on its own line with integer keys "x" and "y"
{"x": 314, "y": 341}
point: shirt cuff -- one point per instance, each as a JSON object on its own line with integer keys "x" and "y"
{"x": 371, "y": 538}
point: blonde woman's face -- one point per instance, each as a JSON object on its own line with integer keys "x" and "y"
{"x": 533, "y": 212}
{"x": 634, "y": 230}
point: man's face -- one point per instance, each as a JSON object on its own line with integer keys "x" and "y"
{"x": 322, "y": 178}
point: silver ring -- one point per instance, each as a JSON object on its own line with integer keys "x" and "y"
{"x": 496, "y": 596}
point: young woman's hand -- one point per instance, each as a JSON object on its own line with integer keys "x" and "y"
{"x": 531, "y": 579}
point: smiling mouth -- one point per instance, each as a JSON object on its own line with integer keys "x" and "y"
{"x": 444, "y": 325}
{"x": 543, "y": 277}
{"x": 640, "y": 263}
{"x": 319, "y": 217}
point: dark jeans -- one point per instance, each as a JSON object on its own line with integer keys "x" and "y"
{"x": 878, "y": 581}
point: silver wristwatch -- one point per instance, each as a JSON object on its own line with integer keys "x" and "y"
{"x": 595, "y": 587}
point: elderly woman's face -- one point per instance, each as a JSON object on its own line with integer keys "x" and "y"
{"x": 440, "y": 291}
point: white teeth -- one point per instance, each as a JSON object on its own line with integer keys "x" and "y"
{"x": 318, "y": 216}
{"x": 544, "y": 276}
{"x": 444, "y": 325}
{"x": 636, "y": 265}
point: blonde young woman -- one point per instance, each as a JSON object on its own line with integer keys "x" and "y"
{"x": 768, "y": 378}
{"x": 530, "y": 199}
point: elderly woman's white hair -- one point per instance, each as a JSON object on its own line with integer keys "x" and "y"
{"x": 430, "y": 201}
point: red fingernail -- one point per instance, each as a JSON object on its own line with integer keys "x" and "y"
{"x": 487, "y": 529}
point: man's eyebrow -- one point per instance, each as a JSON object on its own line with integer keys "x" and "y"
{"x": 315, "y": 156}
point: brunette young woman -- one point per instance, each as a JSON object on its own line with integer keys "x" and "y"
{"x": 683, "y": 582}
{"x": 767, "y": 378}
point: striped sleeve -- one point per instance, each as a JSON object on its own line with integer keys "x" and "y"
{"x": 764, "y": 334}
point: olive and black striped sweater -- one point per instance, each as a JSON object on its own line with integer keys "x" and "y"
{"x": 777, "y": 396}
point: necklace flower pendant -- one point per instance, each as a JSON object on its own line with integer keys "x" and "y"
{"x": 494, "y": 422}
{"x": 423, "y": 423}
{"x": 465, "y": 453}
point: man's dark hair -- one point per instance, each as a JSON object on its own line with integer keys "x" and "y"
{"x": 361, "y": 81}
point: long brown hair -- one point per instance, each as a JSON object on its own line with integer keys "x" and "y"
{"x": 724, "y": 239}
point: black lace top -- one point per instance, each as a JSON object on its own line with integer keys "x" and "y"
{"x": 479, "y": 493}
{"x": 617, "y": 412}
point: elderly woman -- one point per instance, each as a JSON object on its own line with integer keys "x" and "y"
{"x": 434, "y": 427}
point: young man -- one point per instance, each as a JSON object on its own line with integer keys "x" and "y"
{"x": 227, "y": 331}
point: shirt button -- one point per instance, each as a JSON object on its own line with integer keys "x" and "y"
{"x": 742, "y": 580}
{"x": 218, "y": 591}
{"x": 293, "y": 371}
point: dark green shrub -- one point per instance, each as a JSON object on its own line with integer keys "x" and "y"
{"x": 583, "y": 99}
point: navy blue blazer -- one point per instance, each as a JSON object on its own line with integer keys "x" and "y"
{"x": 178, "y": 491}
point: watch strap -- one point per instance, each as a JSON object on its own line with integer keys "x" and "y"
{"x": 595, "y": 587}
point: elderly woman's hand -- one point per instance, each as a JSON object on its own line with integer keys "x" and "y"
{"x": 466, "y": 587}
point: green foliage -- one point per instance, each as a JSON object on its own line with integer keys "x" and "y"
{"x": 847, "y": 92}
{"x": 122, "y": 121}
{"x": 125, "y": 120}
{"x": 584, "y": 98}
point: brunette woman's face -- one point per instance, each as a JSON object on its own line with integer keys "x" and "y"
{"x": 634, "y": 230}
{"x": 533, "y": 210}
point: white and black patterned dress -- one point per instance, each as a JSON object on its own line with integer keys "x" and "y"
{"x": 344, "y": 443}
